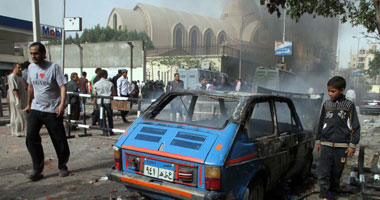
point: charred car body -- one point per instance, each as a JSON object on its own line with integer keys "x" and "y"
{"x": 213, "y": 145}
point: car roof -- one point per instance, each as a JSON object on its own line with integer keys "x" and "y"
{"x": 227, "y": 94}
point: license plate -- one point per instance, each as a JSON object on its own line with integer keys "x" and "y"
{"x": 155, "y": 169}
{"x": 372, "y": 104}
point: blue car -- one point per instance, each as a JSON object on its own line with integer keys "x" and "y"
{"x": 213, "y": 145}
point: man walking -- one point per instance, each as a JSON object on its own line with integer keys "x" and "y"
{"x": 46, "y": 105}
{"x": 104, "y": 87}
{"x": 176, "y": 105}
{"x": 123, "y": 90}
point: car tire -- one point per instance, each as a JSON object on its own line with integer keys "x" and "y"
{"x": 255, "y": 190}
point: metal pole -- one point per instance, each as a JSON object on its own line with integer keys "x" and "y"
{"x": 357, "y": 54}
{"x": 144, "y": 60}
{"x": 63, "y": 36}
{"x": 283, "y": 34}
{"x": 241, "y": 41}
{"x": 36, "y": 21}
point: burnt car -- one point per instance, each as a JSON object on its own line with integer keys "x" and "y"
{"x": 213, "y": 145}
{"x": 370, "y": 104}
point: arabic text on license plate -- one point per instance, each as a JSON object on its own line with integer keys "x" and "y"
{"x": 157, "y": 172}
{"x": 372, "y": 104}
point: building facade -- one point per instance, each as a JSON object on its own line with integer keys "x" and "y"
{"x": 244, "y": 26}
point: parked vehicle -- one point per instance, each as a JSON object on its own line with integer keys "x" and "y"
{"x": 213, "y": 145}
{"x": 192, "y": 76}
{"x": 370, "y": 104}
{"x": 274, "y": 78}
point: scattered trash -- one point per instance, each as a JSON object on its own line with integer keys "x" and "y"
{"x": 112, "y": 191}
{"x": 366, "y": 120}
{"x": 104, "y": 178}
{"x": 93, "y": 181}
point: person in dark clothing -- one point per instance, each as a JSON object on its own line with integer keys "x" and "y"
{"x": 337, "y": 136}
{"x": 114, "y": 79}
{"x": 72, "y": 86}
{"x": 176, "y": 105}
{"x": 224, "y": 85}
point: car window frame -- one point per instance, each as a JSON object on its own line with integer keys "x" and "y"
{"x": 246, "y": 121}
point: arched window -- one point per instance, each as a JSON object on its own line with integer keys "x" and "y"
{"x": 115, "y": 21}
{"x": 194, "y": 39}
{"x": 178, "y": 38}
{"x": 221, "y": 37}
{"x": 208, "y": 42}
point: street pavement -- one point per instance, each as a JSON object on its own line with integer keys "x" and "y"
{"x": 91, "y": 156}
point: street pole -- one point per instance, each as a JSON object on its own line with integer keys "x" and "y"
{"x": 283, "y": 36}
{"x": 144, "y": 60}
{"x": 131, "y": 63}
{"x": 241, "y": 41}
{"x": 36, "y": 21}
{"x": 63, "y": 36}
{"x": 357, "y": 54}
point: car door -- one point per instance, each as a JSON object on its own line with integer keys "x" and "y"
{"x": 287, "y": 129}
{"x": 262, "y": 131}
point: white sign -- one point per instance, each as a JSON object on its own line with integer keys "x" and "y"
{"x": 73, "y": 24}
{"x": 283, "y": 48}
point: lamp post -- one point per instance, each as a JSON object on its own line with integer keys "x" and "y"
{"x": 241, "y": 39}
{"x": 358, "y": 49}
{"x": 63, "y": 36}
{"x": 36, "y": 21}
{"x": 131, "y": 64}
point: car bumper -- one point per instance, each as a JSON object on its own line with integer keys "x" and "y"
{"x": 369, "y": 109}
{"x": 162, "y": 188}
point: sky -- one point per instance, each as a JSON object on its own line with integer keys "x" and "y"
{"x": 95, "y": 12}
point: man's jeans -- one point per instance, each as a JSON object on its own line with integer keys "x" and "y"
{"x": 109, "y": 113}
{"x": 56, "y": 130}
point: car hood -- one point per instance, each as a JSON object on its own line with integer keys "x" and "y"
{"x": 172, "y": 140}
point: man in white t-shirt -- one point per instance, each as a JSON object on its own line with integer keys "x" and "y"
{"x": 46, "y": 106}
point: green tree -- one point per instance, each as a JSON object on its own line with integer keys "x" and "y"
{"x": 374, "y": 66}
{"x": 360, "y": 12}
{"x": 106, "y": 34}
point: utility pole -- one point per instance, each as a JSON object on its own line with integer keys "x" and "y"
{"x": 63, "y": 36}
{"x": 241, "y": 40}
{"x": 283, "y": 35}
{"x": 131, "y": 67}
{"x": 36, "y": 21}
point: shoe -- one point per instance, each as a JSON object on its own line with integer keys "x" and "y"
{"x": 35, "y": 176}
{"x": 63, "y": 172}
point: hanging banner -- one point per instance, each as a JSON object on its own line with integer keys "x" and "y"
{"x": 283, "y": 48}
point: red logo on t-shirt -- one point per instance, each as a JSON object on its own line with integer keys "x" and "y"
{"x": 42, "y": 75}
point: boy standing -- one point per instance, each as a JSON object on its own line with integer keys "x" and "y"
{"x": 337, "y": 136}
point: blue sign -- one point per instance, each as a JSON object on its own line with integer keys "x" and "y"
{"x": 356, "y": 72}
{"x": 51, "y": 31}
{"x": 283, "y": 48}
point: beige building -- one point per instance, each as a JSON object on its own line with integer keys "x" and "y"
{"x": 362, "y": 60}
{"x": 244, "y": 25}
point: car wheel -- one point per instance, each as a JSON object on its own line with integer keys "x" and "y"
{"x": 255, "y": 191}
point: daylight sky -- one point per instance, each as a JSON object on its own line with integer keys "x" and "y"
{"x": 95, "y": 12}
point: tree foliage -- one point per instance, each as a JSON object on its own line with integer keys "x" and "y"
{"x": 106, "y": 34}
{"x": 357, "y": 12}
{"x": 374, "y": 66}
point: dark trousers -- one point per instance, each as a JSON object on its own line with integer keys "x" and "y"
{"x": 109, "y": 113}
{"x": 124, "y": 113}
{"x": 331, "y": 164}
{"x": 56, "y": 130}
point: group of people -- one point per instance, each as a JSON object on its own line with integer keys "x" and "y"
{"x": 337, "y": 136}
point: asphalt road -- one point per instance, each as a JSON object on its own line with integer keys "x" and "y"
{"x": 91, "y": 156}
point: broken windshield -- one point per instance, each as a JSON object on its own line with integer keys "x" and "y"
{"x": 205, "y": 111}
